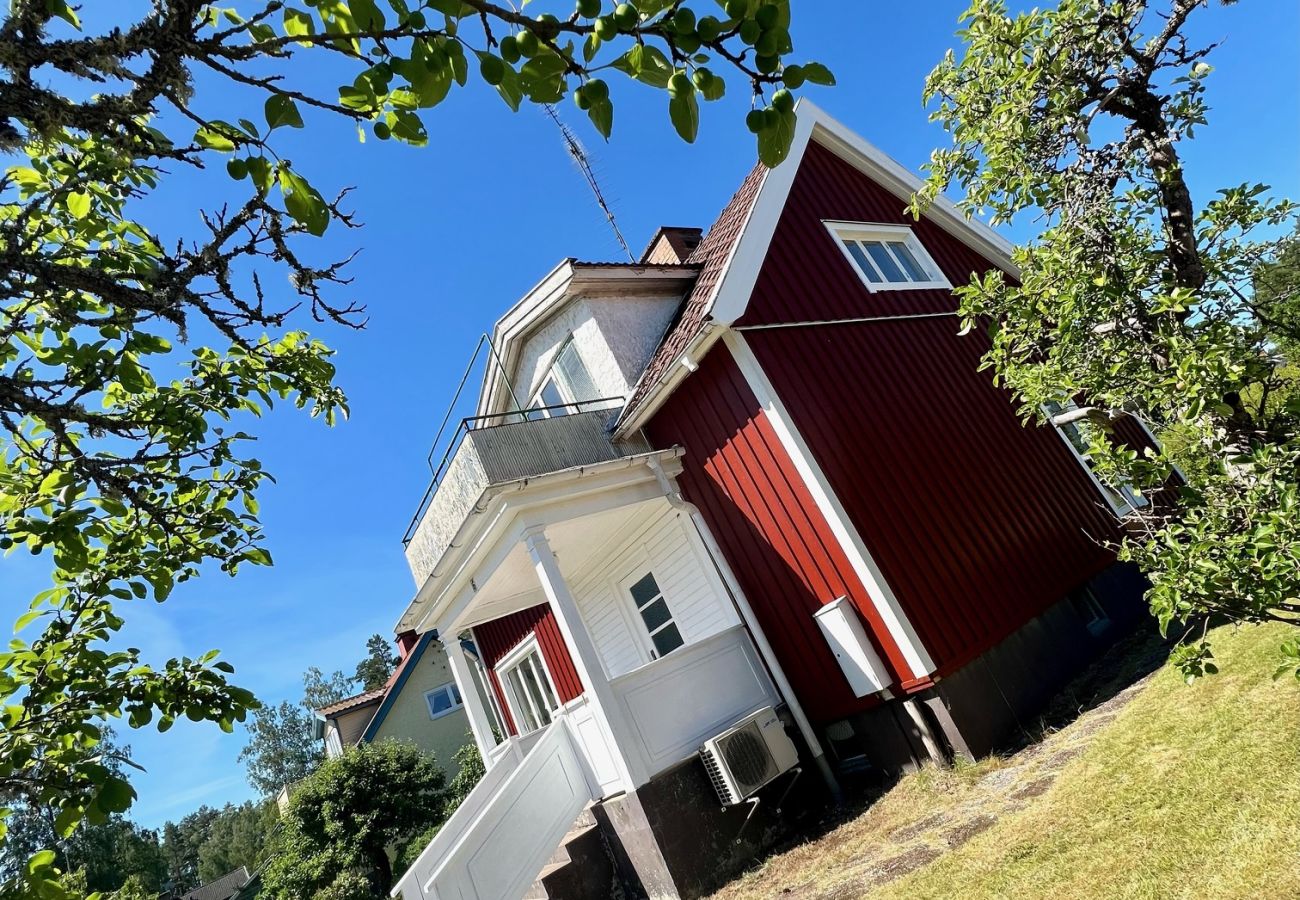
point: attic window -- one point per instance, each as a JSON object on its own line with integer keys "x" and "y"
{"x": 887, "y": 257}
{"x": 567, "y": 382}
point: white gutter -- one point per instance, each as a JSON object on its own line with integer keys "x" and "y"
{"x": 677, "y": 501}
{"x": 684, "y": 365}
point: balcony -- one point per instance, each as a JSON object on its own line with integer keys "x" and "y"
{"x": 494, "y": 450}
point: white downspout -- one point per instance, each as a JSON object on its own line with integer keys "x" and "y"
{"x": 756, "y": 634}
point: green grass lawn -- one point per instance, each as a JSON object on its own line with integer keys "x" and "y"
{"x": 1193, "y": 791}
{"x": 1182, "y": 791}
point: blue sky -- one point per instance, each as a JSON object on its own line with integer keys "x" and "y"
{"x": 454, "y": 234}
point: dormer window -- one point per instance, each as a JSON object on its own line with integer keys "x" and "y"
{"x": 567, "y": 381}
{"x": 887, "y": 257}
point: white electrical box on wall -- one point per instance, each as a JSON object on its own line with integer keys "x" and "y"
{"x": 843, "y": 630}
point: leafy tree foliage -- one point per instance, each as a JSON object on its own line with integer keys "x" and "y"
{"x": 181, "y": 843}
{"x": 374, "y": 671}
{"x": 282, "y": 747}
{"x": 469, "y": 772}
{"x": 1137, "y": 297}
{"x": 238, "y": 836}
{"x": 343, "y": 818}
{"x": 130, "y": 356}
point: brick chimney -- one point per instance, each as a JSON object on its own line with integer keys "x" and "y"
{"x": 671, "y": 246}
{"x": 406, "y": 642}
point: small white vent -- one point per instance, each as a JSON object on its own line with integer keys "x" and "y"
{"x": 748, "y": 755}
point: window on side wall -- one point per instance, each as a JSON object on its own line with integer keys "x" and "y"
{"x": 887, "y": 257}
{"x": 567, "y": 381}
{"x": 443, "y": 700}
{"x": 528, "y": 689}
{"x": 1078, "y": 436}
{"x": 652, "y": 609}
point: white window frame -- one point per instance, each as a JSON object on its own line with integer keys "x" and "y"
{"x": 645, "y": 637}
{"x": 553, "y": 374}
{"x": 333, "y": 742}
{"x": 841, "y": 231}
{"x": 517, "y": 705}
{"x": 453, "y": 693}
{"x": 1128, "y": 500}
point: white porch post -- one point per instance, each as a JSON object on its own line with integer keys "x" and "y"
{"x": 600, "y": 695}
{"x": 480, "y": 723}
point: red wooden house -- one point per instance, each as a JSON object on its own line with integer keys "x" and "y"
{"x": 743, "y": 510}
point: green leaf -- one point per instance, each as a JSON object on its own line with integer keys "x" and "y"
{"x": 774, "y": 142}
{"x": 42, "y": 859}
{"x": 258, "y": 556}
{"x": 684, "y": 110}
{"x": 298, "y": 23}
{"x": 818, "y": 74}
{"x": 304, "y": 202}
{"x": 368, "y": 16}
{"x": 78, "y": 203}
{"x": 116, "y": 795}
{"x": 67, "y": 820}
{"x": 28, "y": 618}
{"x": 601, "y": 113}
{"x": 217, "y": 135}
{"x": 281, "y": 110}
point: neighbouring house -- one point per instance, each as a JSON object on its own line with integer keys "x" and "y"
{"x": 223, "y": 888}
{"x": 420, "y": 703}
{"x": 737, "y": 520}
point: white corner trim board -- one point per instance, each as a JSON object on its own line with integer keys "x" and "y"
{"x": 886, "y": 603}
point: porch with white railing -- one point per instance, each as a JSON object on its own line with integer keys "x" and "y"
{"x": 497, "y": 841}
{"x": 577, "y": 542}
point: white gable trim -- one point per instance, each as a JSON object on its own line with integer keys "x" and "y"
{"x": 816, "y": 125}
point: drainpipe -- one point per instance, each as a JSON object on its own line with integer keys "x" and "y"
{"x": 676, "y": 501}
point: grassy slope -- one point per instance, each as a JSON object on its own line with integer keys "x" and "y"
{"x": 1191, "y": 792}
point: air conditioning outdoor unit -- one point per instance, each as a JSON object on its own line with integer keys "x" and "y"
{"x": 748, "y": 755}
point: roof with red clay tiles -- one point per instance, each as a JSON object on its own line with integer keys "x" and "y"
{"x": 711, "y": 255}
{"x": 365, "y": 698}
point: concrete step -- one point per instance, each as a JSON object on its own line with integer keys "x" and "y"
{"x": 580, "y": 869}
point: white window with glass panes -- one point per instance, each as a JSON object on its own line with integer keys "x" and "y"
{"x": 659, "y": 631}
{"x": 566, "y": 382}
{"x": 1078, "y": 436}
{"x": 443, "y": 700}
{"x": 527, "y": 685}
{"x": 887, "y": 257}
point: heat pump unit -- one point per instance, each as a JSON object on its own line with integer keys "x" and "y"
{"x": 748, "y": 755}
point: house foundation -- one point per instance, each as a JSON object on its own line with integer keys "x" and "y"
{"x": 672, "y": 838}
{"x": 987, "y": 703}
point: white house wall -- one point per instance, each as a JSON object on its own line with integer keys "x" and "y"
{"x": 614, "y": 336}
{"x": 632, "y": 328}
{"x": 657, "y": 542}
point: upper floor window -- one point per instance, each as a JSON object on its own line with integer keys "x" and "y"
{"x": 887, "y": 257}
{"x": 567, "y": 381}
{"x": 1077, "y": 436}
{"x": 443, "y": 700}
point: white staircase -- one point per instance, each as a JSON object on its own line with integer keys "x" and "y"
{"x": 507, "y": 829}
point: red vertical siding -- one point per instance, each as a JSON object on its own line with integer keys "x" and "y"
{"x": 805, "y": 276}
{"x": 977, "y": 523}
{"x": 783, "y": 553}
{"x": 498, "y": 637}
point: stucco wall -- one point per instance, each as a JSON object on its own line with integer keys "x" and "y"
{"x": 408, "y": 718}
{"x": 615, "y": 336}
